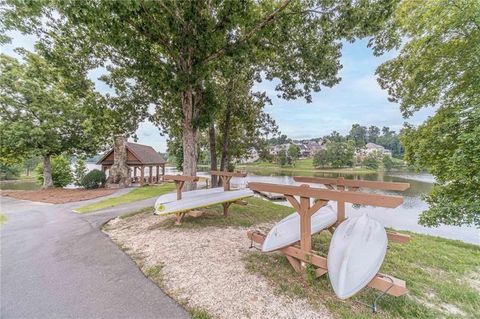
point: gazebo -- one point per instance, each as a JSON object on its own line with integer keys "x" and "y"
{"x": 138, "y": 157}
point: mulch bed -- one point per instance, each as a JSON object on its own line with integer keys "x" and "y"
{"x": 58, "y": 195}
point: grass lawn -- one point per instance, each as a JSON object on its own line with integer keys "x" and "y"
{"x": 442, "y": 275}
{"x": 135, "y": 195}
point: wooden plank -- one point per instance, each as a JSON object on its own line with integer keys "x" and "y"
{"x": 295, "y": 263}
{"x": 382, "y": 283}
{"x": 319, "y": 272}
{"x": 183, "y": 178}
{"x": 394, "y": 186}
{"x": 398, "y": 237}
{"x": 230, "y": 174}
{"x": 347, "y": 196}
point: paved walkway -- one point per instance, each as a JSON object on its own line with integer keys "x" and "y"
{"x": 58, "y": 264}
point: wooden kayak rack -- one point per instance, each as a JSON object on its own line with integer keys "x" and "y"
{"x": 342, "y": 191}
{"x": 180, "y": 180}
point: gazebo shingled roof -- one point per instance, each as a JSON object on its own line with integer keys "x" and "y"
{"x": 142, "y": 155}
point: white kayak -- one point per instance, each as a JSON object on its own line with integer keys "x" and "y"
{"x": 171, "y": 197}
{"x": 287, "y": 231}
{"x": 186, "y": 204}
{"x": 356, "y": 253}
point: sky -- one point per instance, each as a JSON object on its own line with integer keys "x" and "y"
{"x": 358, "y": 98}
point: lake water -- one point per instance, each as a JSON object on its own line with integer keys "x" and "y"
{"x": 404, "y": 217}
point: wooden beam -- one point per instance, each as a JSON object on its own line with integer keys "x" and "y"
{"x": 346, "y": 196}
{"x": 157, "y": 175}
{"x": 142, "y": 175}
{"x": 398, "y": 237}
{"x": 231, "y": 174}
{"x": 183, "y": 178}
{"x": 394, "y": 186}
{"x": 150, "y": 177}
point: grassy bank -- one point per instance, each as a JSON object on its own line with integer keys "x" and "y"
{"x": 136, "y": 194}
{"x": 302, "y": 165}
{"x": 441, "y": 274}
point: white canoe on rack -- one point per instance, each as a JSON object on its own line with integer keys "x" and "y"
{"x": 287, "y": 231}
{"x": 356, "y": 253}
{"x": 171, "y": 197}
{"x": 194, "y": 202}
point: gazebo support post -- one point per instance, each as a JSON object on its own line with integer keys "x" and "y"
{"x": 134, "y": 174}
{"x": 142, "y": 175}
{"x": 150, "y": 171}
{"x": 156, "y": 170}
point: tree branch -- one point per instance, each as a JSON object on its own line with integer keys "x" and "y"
{"x": 262, "y": 24}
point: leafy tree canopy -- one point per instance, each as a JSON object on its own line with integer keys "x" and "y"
{"x": 439, "y": 66}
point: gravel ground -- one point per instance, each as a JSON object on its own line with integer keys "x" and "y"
{"x": 203, "y": 268}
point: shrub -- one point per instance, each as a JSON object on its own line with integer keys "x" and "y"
{"x": 94, "y": 179}
{"x": 372, "y": 160}
{"x": 61, "y": 172}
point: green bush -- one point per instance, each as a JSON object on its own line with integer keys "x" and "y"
{"x": 372, "y": 160}
{"x": 61, "y": 172}
{"x": 9, "y": 171}
{"x": 94, "y": 179}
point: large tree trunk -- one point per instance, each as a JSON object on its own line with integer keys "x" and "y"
{"x": 225, "y": 139}
{"x": 189, "y": 139}
{"x": 119, "y": 175}
{"x": 47, "y": 172}
{"x": 213, "y": 153}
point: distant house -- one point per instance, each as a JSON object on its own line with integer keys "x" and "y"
{"x": 372, "y": 148}
{"x": 251, "y": 156}
{"x": 138, "y": 157}
{"x": 276, "y": 149}
{"x": 313, "y": 147}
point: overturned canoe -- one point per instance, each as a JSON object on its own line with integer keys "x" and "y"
{"x": 171, "y": 197}
{"x": 356, "y": 253}
{"x": 209, "y": 199}
{"x": 287, "y": 231}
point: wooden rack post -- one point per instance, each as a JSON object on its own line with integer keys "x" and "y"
{"x": 226, "y": 177}
{"x": 180, "y": 181}
{"x": 303, "y": 253}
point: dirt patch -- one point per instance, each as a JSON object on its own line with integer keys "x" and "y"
{"x": 203, "y": 268}
{"x": 58, "y": 195}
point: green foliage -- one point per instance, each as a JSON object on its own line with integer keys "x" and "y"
{"x": 294, "y": 152}
{"x": 175, "y": 152}
{"x": 282, "y": 158}
{"x": 9, "y": 171}
{"x": 94, "y": 179}
{"x": 388, "y": 163}
{"x": 30, "y": 163}
{"x": 358, "y": 134}
{"x": 61, "y": 172}
{"x": 448, "y": 144}
{"x": 80, "y": 171}
{"x": 45, "y": 112}
{"x": 372, "y": 160}
{"x": 336, "y": 154}
{"x": 168, "y": 53}
{"x": 438, "y": 66}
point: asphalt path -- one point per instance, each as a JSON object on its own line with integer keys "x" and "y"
{"x": 58, "y": 264}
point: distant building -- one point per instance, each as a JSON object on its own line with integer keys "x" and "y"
{"x": 372, "y": 148}
{"x": 252, "y": 156}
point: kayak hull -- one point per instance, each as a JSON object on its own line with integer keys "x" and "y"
{"x": 287, "y": 231}
{"x": 356, "y": 253}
